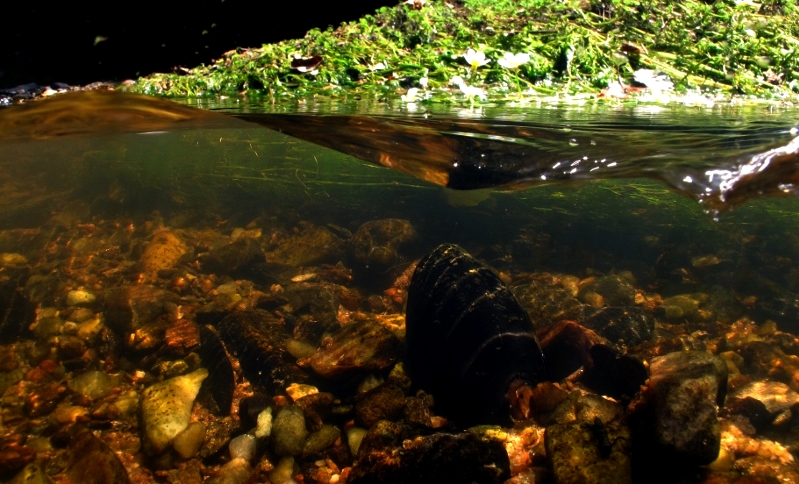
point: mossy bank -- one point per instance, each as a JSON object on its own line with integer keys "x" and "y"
{"x": 477, "y": 50}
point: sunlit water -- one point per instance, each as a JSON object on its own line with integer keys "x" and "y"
{"x": 574, "y": 191}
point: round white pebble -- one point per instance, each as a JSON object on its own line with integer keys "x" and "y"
{"x": 242, "y": 447}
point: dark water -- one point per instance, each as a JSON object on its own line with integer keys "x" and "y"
{"x": 682, "y": 202}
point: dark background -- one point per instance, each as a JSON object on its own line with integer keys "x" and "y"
{"x": 54, "y": 41}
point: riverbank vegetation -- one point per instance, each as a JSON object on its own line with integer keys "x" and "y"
{"x": 505, "y": 50}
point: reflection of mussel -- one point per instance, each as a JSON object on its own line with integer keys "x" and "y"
{"x": 468, "y": 338}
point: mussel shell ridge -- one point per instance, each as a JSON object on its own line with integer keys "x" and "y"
{"x": 468, "y": 337}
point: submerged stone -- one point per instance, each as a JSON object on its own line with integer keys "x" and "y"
{"x": 93, "y": 384}
{"x": 614, "y": 289}
{"x": 288, "y": 431}
{"x": 131, "y": 307}
{"x": 188, "y": 442}
{"x": 455, "y": 459}
{"x": 311, "y": 246}
{"x": 258, "y": 339}
{"x": 92, "y": 462}
{"x": 376, "y": 243}
{"x": 628, "y": 325}
{"x": 235, "y": 259}
{"x": 166, "y": 409}
{"x": 358, "y": 347}
{"x": 592, "y": 452}
{"x": 384, "y": 402}
{"x": 162, "y": 253}
{"x": 31, "y": 474}
{"x": 685, "y": 390}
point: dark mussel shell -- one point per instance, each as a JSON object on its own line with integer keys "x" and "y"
{"x": 468, "y": 338}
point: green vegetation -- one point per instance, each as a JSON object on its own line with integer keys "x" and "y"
{"x": 575, "y": 47}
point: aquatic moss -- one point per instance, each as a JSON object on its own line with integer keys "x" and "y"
{"x": 575, "y": 46}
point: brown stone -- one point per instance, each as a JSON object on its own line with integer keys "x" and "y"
{"x": 387, "y": 458}
{"x": 93, "y": 462}
{"x": 357, "y": 347}
{"x": 376, "y": 243}
{"x": 384, "y": 402}
{"x": 317, "y": 408}
{"x": 309, "y": 247}
{"x": 579, "y": 452}
{"x": 162, "y": 253}
{"x": 14, "y": 455}
{"x": 43, "y": 398}
{"x": 182, "y": 336}
{"x": 417, "y": 410}
{"x": 130, "y": 307}
{"x": 8, "y": 358}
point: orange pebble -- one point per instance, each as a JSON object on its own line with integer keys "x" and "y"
{"x": 48, "y": 365}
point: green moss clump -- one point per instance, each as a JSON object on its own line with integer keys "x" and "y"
{"x": 575, "y": 46}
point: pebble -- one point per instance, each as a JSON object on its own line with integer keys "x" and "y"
{"x": 358, "y": 347}
{"x": 321, "y": 439}
{"x": 188, "y": 442}
{"x": 355, "y": 436}
{"x": 92, "y": 461}
{"x": 80, "y": 297}
{"x": 288, "y": 431}
{"x": 686, "y": 388}
{"x": 242, "y": 447}
{"x": 12, "y": 259}
{"x": 296, "y": 391}
{"x": 228, "y": 288}
{"x": 585, "y": 453}
{"x": 237, "y": 471}
{"x": 69, "y": 414}
{"x": 384, "y": 402}
{"x": 166, "y": 409}
{"x": 263, "y": 427}
{"x": 162, "y": 253}
{"x": 31, "y": 474}
{"x": 283, "y": 471}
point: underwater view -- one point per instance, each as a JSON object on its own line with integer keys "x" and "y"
{"x": 369, "y": 292}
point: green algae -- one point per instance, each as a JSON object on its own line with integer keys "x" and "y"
{"x": 575, "y": 47}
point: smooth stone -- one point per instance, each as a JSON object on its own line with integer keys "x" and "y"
{"x": 12, "y": 259}
{"x": 358, "y": 347}
{"x": 93, "y": 384}
{"x": 242, "y": 447}
{"x": 321, "y": 439}
{"x": 91, "y": 461}
{"x": 166, "y": 409}
{"x": 31, "y": 474}
{"x": 283, "y": 471}
{"x": 288, "y": 431}
{"x": 188, "y": 442}
{"x": 309, "y": 247}
{"x": 355, "y": 436}
{"x": 162, "y": 252}
{"x": 237, "y": 471}
{"x": 80, "y": 297}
